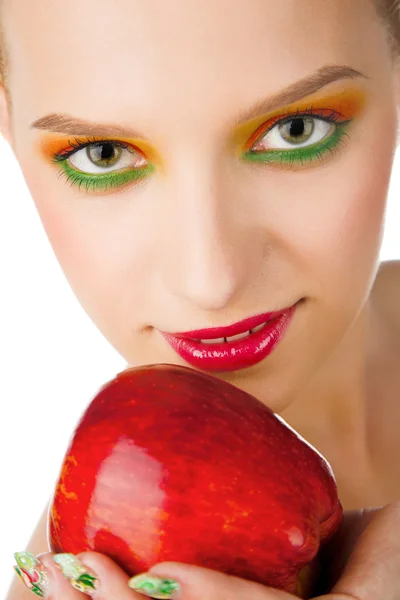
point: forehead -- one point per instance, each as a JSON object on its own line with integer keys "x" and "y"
{"x": 92, "y": 55}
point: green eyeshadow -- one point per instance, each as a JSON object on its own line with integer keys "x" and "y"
{"x": 300, "y": 155}
{"x": 105, "y": 181}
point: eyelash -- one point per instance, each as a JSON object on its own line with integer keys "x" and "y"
{"x": 304, "y": 154}
{"x": 116, "y": 179}
{"x": 101, "y": 182}
{"x": 77, "y": 145}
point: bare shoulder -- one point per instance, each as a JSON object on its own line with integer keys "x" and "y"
{"x": 386, "y": 292}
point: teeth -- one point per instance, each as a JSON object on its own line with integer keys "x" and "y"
{"x": 258, "y": 327}
{"x": 239, "y": 336}
{"x": 233, "y": 338}
{"x": 216, "y": 341}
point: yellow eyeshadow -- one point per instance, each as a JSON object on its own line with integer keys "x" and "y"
{"x": 347, "y": 103}
{"x": 53, "y": 144}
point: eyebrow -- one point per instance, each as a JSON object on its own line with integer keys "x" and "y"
{"x": 66, "y": 124}
{"x": 299, "y": 90}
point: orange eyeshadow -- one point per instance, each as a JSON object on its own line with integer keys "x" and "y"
{"x": 55, "y": 143}
{"x": 347, "y": 104}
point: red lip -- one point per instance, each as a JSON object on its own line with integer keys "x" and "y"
{"x": 234, "y": 355}
{"x": 235, "y": 329}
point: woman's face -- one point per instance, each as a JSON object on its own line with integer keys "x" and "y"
{"x": 211, "y": 209}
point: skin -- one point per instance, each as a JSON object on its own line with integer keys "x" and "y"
{"x": 241, "y": 238}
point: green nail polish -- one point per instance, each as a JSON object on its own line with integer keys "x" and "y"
{"x": 154, "y": 586}
{"x": 31, "y": 572}
{"x": 81, "y": 578}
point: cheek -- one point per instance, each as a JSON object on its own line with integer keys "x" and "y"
{"x": 349, "y": 253}
{"x": 100, "y": 245}
{"x": 86, "y": 248}
{"x": 342, "y": 227}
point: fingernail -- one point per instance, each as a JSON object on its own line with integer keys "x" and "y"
{"x": 79, "y": 576}
{"x": 154, "y": 586}
{"x": 32, "y": 573}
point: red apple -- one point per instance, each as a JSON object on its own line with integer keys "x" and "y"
{"x": 168, "y": 463}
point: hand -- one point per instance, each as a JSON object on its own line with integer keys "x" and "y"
{"x": 361, "y": 562}
{"x": 74, "y": 577}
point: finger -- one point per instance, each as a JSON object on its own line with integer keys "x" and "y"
{"x": 372, "y": 570}
{"x": 334, "y": 555}
{"x": 188, "y": 582}
{"x": 78, "y": 575}
{"x": 40, "y": 575}
{"x": 112, "y": 580}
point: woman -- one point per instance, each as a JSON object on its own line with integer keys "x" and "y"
{"x": 227, "y": 168}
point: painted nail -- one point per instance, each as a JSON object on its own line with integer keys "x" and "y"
{"x": 79, "y": 576}
{"x": 154, "y": 586}
{"x": 32, "y": 573}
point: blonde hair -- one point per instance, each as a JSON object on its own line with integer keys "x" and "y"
{"x": 388, "y": 11}
{"x": 3, "y": 55}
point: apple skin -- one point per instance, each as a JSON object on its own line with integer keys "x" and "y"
{"x": 171, "y": 464}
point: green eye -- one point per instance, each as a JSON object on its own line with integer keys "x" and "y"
{"x": 102, "y": 165}
{"x": 298, "y": 139}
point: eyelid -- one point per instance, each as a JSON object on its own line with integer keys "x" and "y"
{"x": 264, "y": 128}
{"x": 76, "y": 146}
{"x": 51, "y": 145}
{"x": 346, "y": 103}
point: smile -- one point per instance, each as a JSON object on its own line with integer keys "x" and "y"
{"x": 237, "y": 346}
{"x": 233, "y": 338}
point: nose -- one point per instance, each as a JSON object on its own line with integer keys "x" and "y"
{"x": 214, "y": 254}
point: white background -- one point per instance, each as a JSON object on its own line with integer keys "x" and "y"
{"x": 52, "y": 358}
